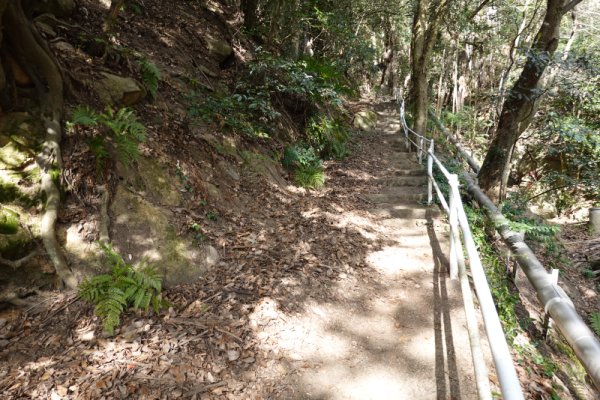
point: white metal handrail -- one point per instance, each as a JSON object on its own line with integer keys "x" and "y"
{"x": 505, "y": 369}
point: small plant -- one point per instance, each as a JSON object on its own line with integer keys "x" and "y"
{"x": 122, "y": 130}
{"x": 305, "y": 165}
{"x": 311, "y": 177}
{"x": 150, "y": 75}
{"x": 589, "y": 273}
{"x": 328, "y": 136}
{"x": 212, "y": 215}
{"x": 127, "y": 286}
{"x": 595, "y": 322}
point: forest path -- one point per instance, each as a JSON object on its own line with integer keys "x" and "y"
{"x": 340, "y": 293}
{"x": 402, "y": 333}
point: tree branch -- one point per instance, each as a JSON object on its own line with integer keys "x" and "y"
{"x": 569, "y": 6}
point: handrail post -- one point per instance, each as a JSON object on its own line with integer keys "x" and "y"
{"x": 421, "y": 150}
{"x": 453, "y": 268}
{"x": 430, "y": 173}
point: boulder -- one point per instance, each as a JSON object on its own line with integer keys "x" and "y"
{"x": 114, "y": 89}
{"x": 365, "y": 120}
{"x": 218, "y": 48}
{"x": 143, "y": 231}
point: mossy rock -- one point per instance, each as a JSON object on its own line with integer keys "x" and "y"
{"x": 145, "y": 231}
{"x": 15, "y": 242}
{"x": 263, "y": 166}
{"x": 365, "y": 120}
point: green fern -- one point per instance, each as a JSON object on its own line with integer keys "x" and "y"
{"x": 310, "y": 177}
{"x": 150, "y": 76}
{"x": 84, "y": 115}
{"x": 127, "y": 286}
{"x": 595, "y": 322}
{"x": 123, "y": 131}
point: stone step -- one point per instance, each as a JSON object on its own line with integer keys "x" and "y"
{"x": 419, "y": 180}
{"x": 408, "y": 171}
{"x": 405, "y": 191}
{"x": 407, "y": 210}
{"x": 387, "y": 198}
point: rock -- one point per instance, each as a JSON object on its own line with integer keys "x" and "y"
{"x": 45, "y": 29}
{"x": 229, "y": 170}
{"x": 218, "y": 48}
{"x": 365, "y": 120}
{"x": 145, "y": 231}
{"x": 114, "y": 89}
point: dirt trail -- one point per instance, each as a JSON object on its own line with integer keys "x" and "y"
{"x": 401, "y": 334}
{"x": 336, "y": 294}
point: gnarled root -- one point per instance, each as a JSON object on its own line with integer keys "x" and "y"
{"x": 15, "y": 264}
{"x": 28, "y": 46}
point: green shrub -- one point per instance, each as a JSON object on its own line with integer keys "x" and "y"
{"x": 300, "y": 155}
{"x": 328, "y": 136}
{"x": 127, "y": 286}
{"x": 122, "y": 131}
{"x": 150, "y": 75}
{"x": 305, "y": 165}
{"x": 310, "y": 177}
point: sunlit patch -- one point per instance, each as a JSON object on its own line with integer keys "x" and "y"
{"x": 105, "y": 3}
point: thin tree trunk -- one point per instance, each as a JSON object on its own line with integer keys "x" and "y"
{"x": 520, "y": 104}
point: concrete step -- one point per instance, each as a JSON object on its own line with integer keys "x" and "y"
{"x": 407, "y": 210}
{"x": 387, "y": 198}
{"x": 408, "y": 171}
{"x": 419, "y": 180}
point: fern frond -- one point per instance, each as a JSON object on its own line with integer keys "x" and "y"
{"x": 126, "y": 286}
{"x": 150, "y": 75}
{"x": 83, "y": 115}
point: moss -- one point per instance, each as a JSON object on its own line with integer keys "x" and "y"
{"x": 11, "y": 193}
{"x": 9, "y": 222}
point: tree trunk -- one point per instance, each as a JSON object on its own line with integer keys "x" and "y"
{"x": 425, "y": 28}
{"x": 23, "y": 42}
{"x": 521, "y": 102}
{"x": 250, "y": 8}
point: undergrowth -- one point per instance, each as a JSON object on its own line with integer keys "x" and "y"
{"x": 121, "y": 131}
{"x": 126, "y": 286}
{"x": 305, "y": 165}
{"x": 150, "y": 75}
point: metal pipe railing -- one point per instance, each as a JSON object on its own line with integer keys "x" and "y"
{"x": 554, "y": 300}
{"x": 507, "y": 376}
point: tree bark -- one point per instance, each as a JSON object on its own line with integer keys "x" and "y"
{"x": 249, "y": 9}
{"x": 426, "y": 20}
{"x": 521, "y": 102}
{"x": 26, "y": 45}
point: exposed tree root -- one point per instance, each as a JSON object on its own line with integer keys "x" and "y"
{"x": 26, "y": 44}
{"x": 104, "y": 237}
{"x": 15, "y": 264}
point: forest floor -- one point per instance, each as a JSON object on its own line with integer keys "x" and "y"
{"x": 330, "y": 294}
{"x": 316, "y": 296}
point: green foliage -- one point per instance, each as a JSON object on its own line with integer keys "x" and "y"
{"x": 595, "y": 322}
{"x": 514, "y": 208}
{"x": 496, "y": 274}
{"x": 127, "y": 286}
{"x": 328, "y": 136}
{"x": 300, "y": 156}
{"x": 150, "y": 75}
{"x": 9, "y": 221}
{"x": 122, "y": 131}
{"x": 305, "y": 165}
{"x": 310, "y": 177}
{"x": 250, "y": 113}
